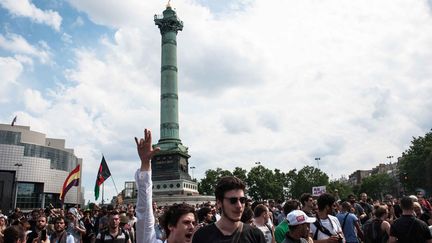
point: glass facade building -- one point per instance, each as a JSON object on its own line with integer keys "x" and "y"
{"x": 34, "y": 168}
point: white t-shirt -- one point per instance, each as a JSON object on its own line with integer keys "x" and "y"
{"x": 267, "y": 233}
{"x": 331, "y": 223}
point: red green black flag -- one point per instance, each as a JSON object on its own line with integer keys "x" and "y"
{"x": 103, "y": 174}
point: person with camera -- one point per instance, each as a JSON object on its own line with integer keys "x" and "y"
{"x": 326, "y": 227}
{"x": 40, "y": 230}
{"x": 75, "y": 227}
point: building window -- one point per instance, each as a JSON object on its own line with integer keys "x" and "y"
{"x": 29, "y": 195}
{"x": 52, "y": 199}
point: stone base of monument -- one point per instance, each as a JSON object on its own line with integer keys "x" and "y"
{"x": 175, "y": 187}
{"x": 163, "y": 200}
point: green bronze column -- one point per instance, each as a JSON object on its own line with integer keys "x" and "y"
{"x": 169, "y": 24}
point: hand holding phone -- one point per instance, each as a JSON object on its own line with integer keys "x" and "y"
{"x": 43, "y": 235}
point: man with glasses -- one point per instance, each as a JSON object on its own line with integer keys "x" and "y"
{"x": 230, "y": 198}
{"x": 178, "y": 221}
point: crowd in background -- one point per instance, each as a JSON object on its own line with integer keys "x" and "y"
{"x": 362, "y": 220}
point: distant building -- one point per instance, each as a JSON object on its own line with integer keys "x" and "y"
{"x": 357, "y": 177}
{"x": 390, "y": 169}
{"x": 33, "y": 169}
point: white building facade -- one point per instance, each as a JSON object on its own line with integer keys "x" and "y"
{"x": 33, "y": 169}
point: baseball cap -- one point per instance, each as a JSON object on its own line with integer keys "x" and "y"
{"x": 297, "y": 217}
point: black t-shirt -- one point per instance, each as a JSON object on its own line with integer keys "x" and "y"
{"x": 211, "y": 234}
{"x": 425, "y": 217}
{"x": 409, "y": 229}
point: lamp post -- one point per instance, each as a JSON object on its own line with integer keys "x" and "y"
{"x": 192, "y": 169}
{"x": 18, "y": 165}
{"x": 258, "y": 162}
{"x": 317, "y": 159}
{"x": 390, "y": 158}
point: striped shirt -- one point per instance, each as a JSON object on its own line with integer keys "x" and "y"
{"x": 106, "y": 237}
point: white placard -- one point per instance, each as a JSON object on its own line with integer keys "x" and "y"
{"x": 318, "y": 190}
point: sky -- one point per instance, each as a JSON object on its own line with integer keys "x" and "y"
{"x": 280, "y": 82}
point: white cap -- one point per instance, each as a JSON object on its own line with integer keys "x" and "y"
{"x": 414, "y": 198}
{"x": 297, "y": 217}
{"x": 3, "y": 216}
{"x": 74, "y": 211}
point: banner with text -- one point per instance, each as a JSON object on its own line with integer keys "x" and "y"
{"x": 318, "y": 190}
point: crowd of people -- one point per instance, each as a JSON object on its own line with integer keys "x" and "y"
{"x": 232, "y": 219}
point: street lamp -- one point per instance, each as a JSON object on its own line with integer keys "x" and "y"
{"x": 192, "y": 169}
{"x": 18, "y": 165}
{"x": 258, "y": 162}
{"x": 390, "y": 158}
{"x": 317, "y": 159}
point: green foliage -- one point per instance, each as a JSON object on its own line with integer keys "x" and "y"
{"x": 207, "y": 185}
{"x": 343, "y": 189}
{"x": 307, "y": 178}
{"x": 240, "y": 173}
{"x": 415, "y": 166}
{"x": 377, "y": 185}
{"x": 262, "y": 184}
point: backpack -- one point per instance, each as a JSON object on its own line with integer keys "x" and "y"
{"x": 373, "y": 233}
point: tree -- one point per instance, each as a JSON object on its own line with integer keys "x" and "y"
{"x": 307, "y": 178}
{"x": 415, "y": 165}
{"x": 343, "y": 188}
{"x": 285, "y": 180}
{"x": 240, "y": 173}
{"x": 263, "y": 185}
{"x": 376, "y": 186}
{"x": 208, "y": 183}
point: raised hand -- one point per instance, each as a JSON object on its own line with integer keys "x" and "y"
{"x": 145, "y": 150}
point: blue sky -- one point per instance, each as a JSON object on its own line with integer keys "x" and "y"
{"x": 259, "y": 80}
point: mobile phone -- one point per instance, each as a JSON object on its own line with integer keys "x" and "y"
{"x": 44, "y": 235}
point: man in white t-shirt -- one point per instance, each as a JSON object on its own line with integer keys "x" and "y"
{"x": 327, "y": 227}
{"x": 261, "y": 217}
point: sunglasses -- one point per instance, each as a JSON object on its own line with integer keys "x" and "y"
{"x": 234, "y": 200}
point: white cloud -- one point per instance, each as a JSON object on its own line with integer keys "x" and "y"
{"x": 10, "y": 70}
{"x": 17, "y": 44}
{"x": 78, "y": 22}
{"x": 118, "y": 14}
{"x": 24, "y": 59}
{"x": 24, "y": 8}
{"x": 66, "y": 38}
{"x": 34, "y": 101}
{"x": 280, "y": 83}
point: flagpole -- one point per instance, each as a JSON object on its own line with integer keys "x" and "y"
{"x": 112, "y": 180}
{"x": 114, "y": 185}
{"x": 79, "y": 187}
{"x": 103, "y": 188}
